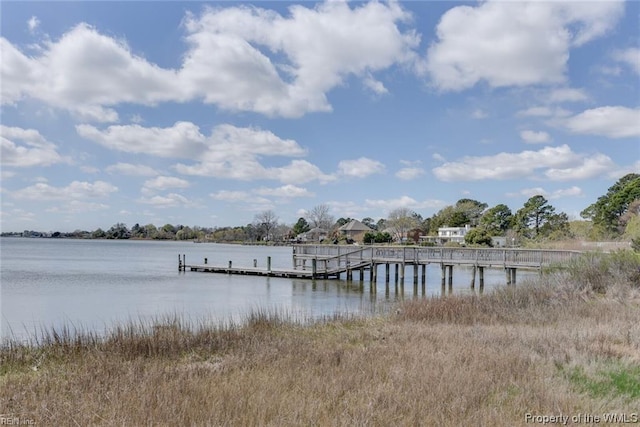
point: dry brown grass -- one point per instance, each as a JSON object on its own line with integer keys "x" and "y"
{"x": 449, "y": 361}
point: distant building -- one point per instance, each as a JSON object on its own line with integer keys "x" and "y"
{"x": 316, "y": 234}
{"x": 448, "y": 234}
{"x": 354, "y": 230}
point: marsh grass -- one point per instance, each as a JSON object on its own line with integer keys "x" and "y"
{"x": 567, "y": 342}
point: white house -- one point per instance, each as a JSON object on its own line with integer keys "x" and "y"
{"x": 448, "y": 234}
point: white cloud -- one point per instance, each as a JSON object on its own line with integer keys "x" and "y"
{"x": 168, "y": 201}
{"x": 239, "y": 58}
{"x": 31, "y": 150}
{"x": 514, "y": 43}
{"x": 182, "y": 140}
{"x": 593, "y": 166}
{"x": 533, "y": 137}
{"x": 164, "y": 183}
{"x": 131, "y": 169}
{"x": 630, "y": 57}
{"x": 557, "y": 194}
{"x": 543, "y": 111}
{"x": 612, "y": 122}
{"x": 403, "y": 202}
{"x": 77, "y": 206}
{"x": 285, "y": 192}
{"x": 410, "y": 173}
{"x": 89, "y": 169}
{"x": 77, "y": 190}
{"x": 360, "y": 168}
{"x": 231, "y": 196}
{"x": 558, "y": 163}
{"x": 33, "y": 23}
{"x": 374, "y": 85}
{"x": 83, "y": 72}
{"x": 567, "y": 95}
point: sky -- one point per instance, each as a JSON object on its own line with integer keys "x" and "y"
{"x": 207, "y": 114}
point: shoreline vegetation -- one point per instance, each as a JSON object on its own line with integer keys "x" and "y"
{"x": 566, "y": 343}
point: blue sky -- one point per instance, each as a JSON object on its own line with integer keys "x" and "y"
{"x": 206, "y": 114}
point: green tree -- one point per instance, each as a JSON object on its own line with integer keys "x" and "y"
{"x": 478, "y": 236}
{"x": 535, "y": 212}
{"x": 368, "y": 221}
{"x": 497, "y": 220}
{"x": 302, "y": 226}
{"x": 609, "y": 208}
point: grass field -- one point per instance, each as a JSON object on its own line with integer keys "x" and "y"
{"x": 565, "y": 345}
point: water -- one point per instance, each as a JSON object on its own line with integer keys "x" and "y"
{"x": 94, "y": 284}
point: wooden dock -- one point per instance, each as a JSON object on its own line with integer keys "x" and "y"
{"x": 332, "y": 261}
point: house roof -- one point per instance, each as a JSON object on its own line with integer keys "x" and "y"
{"x": 317, "y": 230}
{"x": 354, "y": 225}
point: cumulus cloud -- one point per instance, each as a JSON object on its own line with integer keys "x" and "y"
{"x": 410, "y": 173}
{"x": 557, "y": 163}
{"x": 630, "y": 57}
{"x": 229, "y": 152}
{"x": 609, "y": 121}
{"x": 85, "y": 72}
{"x": 567, "y": 95}
{"x": 238, "y": 58}
{"x": 360, "y": 168}
{"x": 182, "y": 140}
{"x": 33, "y": 23}
{"x": 77, "y": 190}
{"x": 26, "y": 147}
{"x": 168, "y": 201}
{"x": 285, "y": 192}
{"x": 514, "y": 43}
{"x": 556, "y": 194}
{"x": 533, "y": 137}
{"x": 131, "y": 169}
{"x": 164, "y": 183}
{"x": 403, "y": 202}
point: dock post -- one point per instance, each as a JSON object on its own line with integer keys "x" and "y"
{"x": 184, "y": 262}
{"x": 396, "y": 275}
{"x": 269, "y": 264}
{"x": 473, "y": 277}
{"x": 481, "y": 274}
{"x": 349, "y": 272}
{"x": 415, "y": 274}
{"x": 230, "y": 265}
{"x": 424, "y": 274}
{"x": 444, "y": 274}
{"x": 255, "y": 263}
{"x": 205, "y": 261}
{"x": 513, "y": 276}
{"x": 386, "y": 272}
{"x": 508, "y": 273}
{"x": 314, "y": 268}
{"x": 450, "y": 278}
{"x": 402, "y": 268}
{"x": 179, "y": 263}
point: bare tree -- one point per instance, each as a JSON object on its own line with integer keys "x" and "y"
{"x": 319, "y": 216}
{"x": 266, "y": 221}
{"x": 401, "y": 220}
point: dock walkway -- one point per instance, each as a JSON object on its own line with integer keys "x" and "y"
{"x": 331, "y": 261}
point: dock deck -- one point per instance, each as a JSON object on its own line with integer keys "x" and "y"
{"x": 330, "y": 261}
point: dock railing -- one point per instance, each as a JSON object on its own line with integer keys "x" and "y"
{"x": 331, "y": 257}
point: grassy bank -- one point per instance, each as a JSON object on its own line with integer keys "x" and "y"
{"x": 567, "y": 344}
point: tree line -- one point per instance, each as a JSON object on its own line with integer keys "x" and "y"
{"x": 613, "y": 215}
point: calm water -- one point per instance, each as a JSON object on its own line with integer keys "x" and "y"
{"x": 93, "y": 284}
